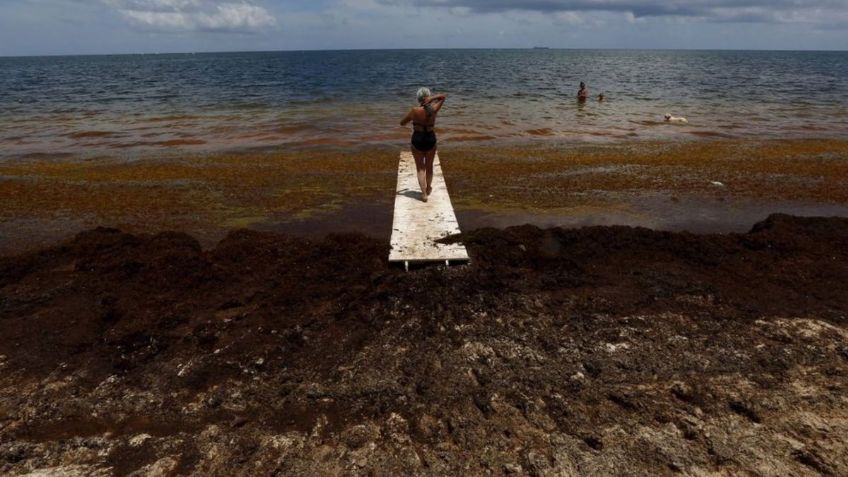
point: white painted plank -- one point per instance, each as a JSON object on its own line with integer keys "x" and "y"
{"x": 417, "y": 225}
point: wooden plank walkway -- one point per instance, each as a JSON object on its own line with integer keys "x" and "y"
{"x": 417, "y": 225}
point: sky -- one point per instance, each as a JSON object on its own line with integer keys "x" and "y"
{"x": 59, "y": 27}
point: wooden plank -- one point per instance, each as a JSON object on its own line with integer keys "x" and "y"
{"x": 417, "y": 225}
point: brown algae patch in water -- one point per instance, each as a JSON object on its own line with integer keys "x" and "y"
{"x": 208, "y": 194}
{"x": 548, "y": 177}
{"x": 91, "y": 134}
{"x": 203, "y": 194}
{"x": 540, "y": 132}
{"x": 181, "y": 142}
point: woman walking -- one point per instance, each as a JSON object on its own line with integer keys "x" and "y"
{"x": 423, "y": 146}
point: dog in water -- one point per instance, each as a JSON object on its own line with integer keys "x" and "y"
{"x": 675, "y": 119}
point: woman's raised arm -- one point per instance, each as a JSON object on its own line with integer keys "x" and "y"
{"x": 439, "y": 99}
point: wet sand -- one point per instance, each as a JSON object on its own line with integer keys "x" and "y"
{"x": 669, "y": 186}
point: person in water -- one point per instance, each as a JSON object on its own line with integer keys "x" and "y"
{"x": 423, "y": 147}
{"x": 583, "y": 94}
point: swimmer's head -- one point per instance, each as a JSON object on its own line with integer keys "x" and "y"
{"x": 423, "y": 93}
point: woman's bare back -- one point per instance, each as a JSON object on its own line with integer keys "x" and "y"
{"x": 420, "y": 117}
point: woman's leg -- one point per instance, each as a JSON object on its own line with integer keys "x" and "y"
{"x": 430, "y": 157}
{"x": 421, "y": 170}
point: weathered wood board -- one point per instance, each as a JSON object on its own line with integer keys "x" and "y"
{"x": 417, "y": 224}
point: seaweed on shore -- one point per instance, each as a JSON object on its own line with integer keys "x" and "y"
{"x": 604, "y": 349}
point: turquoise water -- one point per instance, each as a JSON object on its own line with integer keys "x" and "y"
{"x": 196, "y": 102}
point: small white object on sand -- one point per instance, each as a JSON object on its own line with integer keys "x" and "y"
{"x": 717, "y": 183}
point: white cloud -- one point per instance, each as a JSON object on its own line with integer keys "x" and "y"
{"x": 821, "y": 12}
{"x": 568, "y": 18}
{"x": 195, "y": 15}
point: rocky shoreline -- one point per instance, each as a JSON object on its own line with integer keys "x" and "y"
{"x": 593, "y": 351}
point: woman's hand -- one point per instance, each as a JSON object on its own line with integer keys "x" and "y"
{"x": 436, "y": 97}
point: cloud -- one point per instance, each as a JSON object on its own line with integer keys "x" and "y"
{"x": 767, "y": 11}
{"x": 195, "y": 15}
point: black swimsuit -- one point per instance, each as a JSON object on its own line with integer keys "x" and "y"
{"x": 424, "y": 140}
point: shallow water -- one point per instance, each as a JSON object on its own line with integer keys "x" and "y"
{"x": 201, "y": 102}
{"x": 654, "y": 211}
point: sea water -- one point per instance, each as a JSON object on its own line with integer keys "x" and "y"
{"x": 232, "y": 101}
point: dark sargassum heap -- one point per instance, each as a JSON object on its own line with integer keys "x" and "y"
{"x": 607, "y": 350}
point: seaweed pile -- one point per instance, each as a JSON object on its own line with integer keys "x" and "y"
{"x": 593, "y": 351}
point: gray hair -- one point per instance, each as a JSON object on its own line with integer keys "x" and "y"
{"x": 423, "y": 93}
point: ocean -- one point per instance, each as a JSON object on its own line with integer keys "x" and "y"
{"x": 130, "y": 104}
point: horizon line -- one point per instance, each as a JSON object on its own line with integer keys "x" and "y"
{"x": 538, "y": 47}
